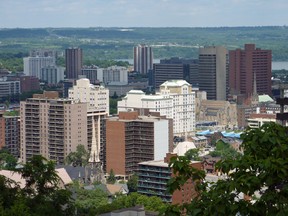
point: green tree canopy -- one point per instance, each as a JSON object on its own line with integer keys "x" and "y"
{"x": 261, "y": 173}
{"x": 132, "y": 183}
{"x": 78, "y": 158}
{"x": 111, "y": 178}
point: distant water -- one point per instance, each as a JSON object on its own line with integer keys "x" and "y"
{"x": 279, "y": 65}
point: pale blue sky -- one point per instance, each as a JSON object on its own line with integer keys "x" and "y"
{"x": 142, "y": 13}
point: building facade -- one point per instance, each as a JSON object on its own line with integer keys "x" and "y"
{"x": 249, "y": 67}
{"x": 143, "y": 59}
{"x": 131, "y": 138}
{"x": 175, "y": 69}
{"x": 175, "y": 100}
{"x": 8, "y": 88}
{"x": 73, "y": 62}
{"x": 52, "y": 74}
{"x": 213, "y": 72}
{"x": 51, "y": 127}
{"x": 33, "y": 65}
{"x": 153, "y": 179}
{"x": 115, "y": 75}
{"x": 10, "y": 134}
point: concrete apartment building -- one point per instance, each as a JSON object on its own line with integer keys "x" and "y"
{"x": 143, "y": 58}
{"x": 10, "y": 134}
{"x": 9, "y": 87}
{"x": 73, "y": 62}
{"x": 52, "y": 74}
{"x": 213, "y": 72}
{"x": 131, "y": 138}
{"x": 153, "y": 178}
{"x": 174, "y": 69}
{"x": 33, "y": 65}
{"x": 249, "y": 67}
{"x": 175, "y": 100}
{"x": 96, "y": 99}
{"x": 51, "y": 127}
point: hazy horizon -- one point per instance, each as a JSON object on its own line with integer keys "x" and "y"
{"x": 142, "y": 13}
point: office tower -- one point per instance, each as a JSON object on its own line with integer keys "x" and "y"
{"x": 73, "y": 62}
{"x": 154, "y": 175}
{"x": 96, "y": 99}
{"x": 51, "y": 127}
{"x": 250, "y": 69}
{"x": 27, "y": 83}
{"x": 8, "y": 88}
{"x": 93, "y": 73}
{"x": 131, "y": 138}
{"x": 175, "y": 69}
{"x": 10, "y": 134}
{"x": 52, "y": 74}
{"x": 143, "y": 58}
{"x": 213, "y": 68}
{"x": 33, "y": 65}
{"x": 175, "y": 100}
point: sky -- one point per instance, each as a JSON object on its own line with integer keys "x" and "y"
{"x": 142, "y": 13}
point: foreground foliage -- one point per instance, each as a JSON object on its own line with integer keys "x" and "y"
{"x": 261, "y": 175}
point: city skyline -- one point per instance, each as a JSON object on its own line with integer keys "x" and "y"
{"x": 142, "y": 13}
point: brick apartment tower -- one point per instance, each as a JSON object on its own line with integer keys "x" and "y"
{"x": 51, "y": 127}
{"x": 131, "y": 139}
{"x": 73, "y": 62}
{"x": 247, "y": 65}
{"x": 143, "y": 59}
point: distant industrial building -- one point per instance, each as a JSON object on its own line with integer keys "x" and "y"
{"x": 143, "y": 59}
{"x": 174, "y": 69}
{"x": 213, "y": 72}
{"x": 73, "y": 62}
{"x": 131, "y": 138}
{"x": 249, "y": 67}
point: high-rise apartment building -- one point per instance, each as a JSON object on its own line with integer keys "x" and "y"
{"x": 51, "y": 127}
{"x": 175, "y": 69}
{"x": 73, "y": 62}
{"x": 131, "y": 138}
{"x": 10, "y": 134}
{"x": 175, "y": 100}
{"x": 33, "y": 65}
{"x": 96, "y": 99}
{"x": 143, "y": 58}
{"x": 52, "y": 74}
{"x": 213, "y": 69}
{"x": 250, "y": 69}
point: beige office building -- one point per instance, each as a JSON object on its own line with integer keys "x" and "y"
{"x": 51, "y": 127}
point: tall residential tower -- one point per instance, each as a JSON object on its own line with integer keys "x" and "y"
{"x": 143, "y": 58}
{"x": 73, "y": 61}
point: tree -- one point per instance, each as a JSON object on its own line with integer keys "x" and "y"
{"x": 41, "y": 194}
{"x": 224, "y": 150}
{"x": 7, "y": 160}
{"x": 261, "y": 174}
{"x": 111, "y": 178}
{"x": 78, "y": 158}
{"x": 132, "y": 183}
{"x": 193, "y": 154}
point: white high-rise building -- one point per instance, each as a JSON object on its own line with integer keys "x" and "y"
{"x": 97, "y": 100}
{"x": 96, "y": 97}
{"x": 52, "y": 74}
{"x": 114, "y": 75}
{"x": 175, "y": 100}
{"x": 33, "y": 65}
